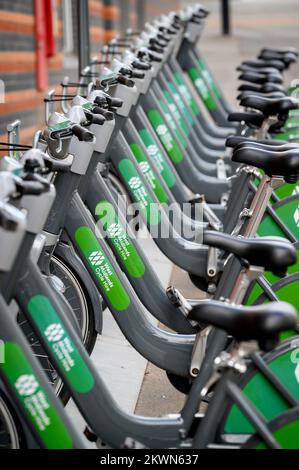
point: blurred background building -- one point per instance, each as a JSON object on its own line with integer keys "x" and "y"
{"x": 39, "y": 44}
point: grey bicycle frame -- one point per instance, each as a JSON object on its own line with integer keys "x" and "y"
{"x": 178, "y": 189}
{"x": 188, "y": 255}
{"x": 202, "y": 158}
{"x": 189, "y": 174}
{"x": 30, "y": 390}
{"x": 97, "y": 406}
{"x": 14, "y": 341}
{"x": 187, "y": 60}
{"x": 168, "y": 351}
{"x": 132, "y": 138}
{"x": 185, "y": 168}
{"x": 93, "y": 198}
{"x": 147, "y": 285}
{"x": 109, "y": 422}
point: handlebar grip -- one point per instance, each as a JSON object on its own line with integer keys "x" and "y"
{"x": 175, "y": 26}
{"x": 139, "y": 65}
{"x": 108, "y": 115}
{"x": 163, "y": 38}
{"x": 137, "y": 74}
{"x": 171, "y": 31}
{"x": 116, "y": 102}
{"x": 82, "y": 134}
{"x": 57, "y": 165}
{"x": 97, "y": 118}
{"x": 125, "y": 81}
{"x": 157, "y": 49}
{"x": 32, "y": 188}
{"x": 101, "y": 100}
{"x": 155, "y": 58}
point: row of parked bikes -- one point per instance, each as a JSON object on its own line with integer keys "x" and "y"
{"x": 150, "y": 122}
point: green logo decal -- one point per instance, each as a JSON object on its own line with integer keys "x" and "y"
{"x": 34, "y": 399}
{"x": 202, "y": 88}
{"x": 185, "y": 92}
{"x": 119, "y": 239}
{"x": 88, "y": 105}
{"x": 168, "y": 113}
{"x": 165, "y": 136}
{"x": 139, "y": 192}
{"x": 148, "y": 173}
{"x": 158, "y": 158}
{"x": 57, "y": 338}
{"x": 104, "y": 272}
{"x": 208, "y": 77}
{"x": 60, "y": 125}
{"x": 181, "y": 105}
{"x": 175, "y": 112}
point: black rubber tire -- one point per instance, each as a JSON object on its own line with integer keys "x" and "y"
{"x": 11, "y": 433}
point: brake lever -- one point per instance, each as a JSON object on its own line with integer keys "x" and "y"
{"x": 30, "y": 187}
{"x": 62, "y": 166}
{"x": 36, "y": 177}
{"x": 107, "y": 82}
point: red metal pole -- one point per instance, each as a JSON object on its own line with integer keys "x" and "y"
{"x": 50, "y": 35}
{"x": 40, "y": 44}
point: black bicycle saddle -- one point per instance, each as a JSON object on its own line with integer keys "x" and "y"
{"x": 265, "y": 70}
{"x": 252, "y": 119}
{"x": 273, "y": 162}
{"x": 281, "y": 50}
{"x": 235, "y": 140}
{"x": 288, "y": 57}
{"x": 275, "y": 254}
{"x": 259, "y": 63}
{"x": 270, "y": 106}
{"x": 266, "y": 88}
{"x": 264, "y": 94}
{"x": 261, "y": 78}
{"x": 262, "y": 322}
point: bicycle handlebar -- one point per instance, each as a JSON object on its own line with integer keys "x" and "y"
{"x": 139, "y": 65}
{"x": 108, "y": 115}
{"x": 31, "y": 187}
{"x": 82, "y": 134}
{"x": 124, "y": 81}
